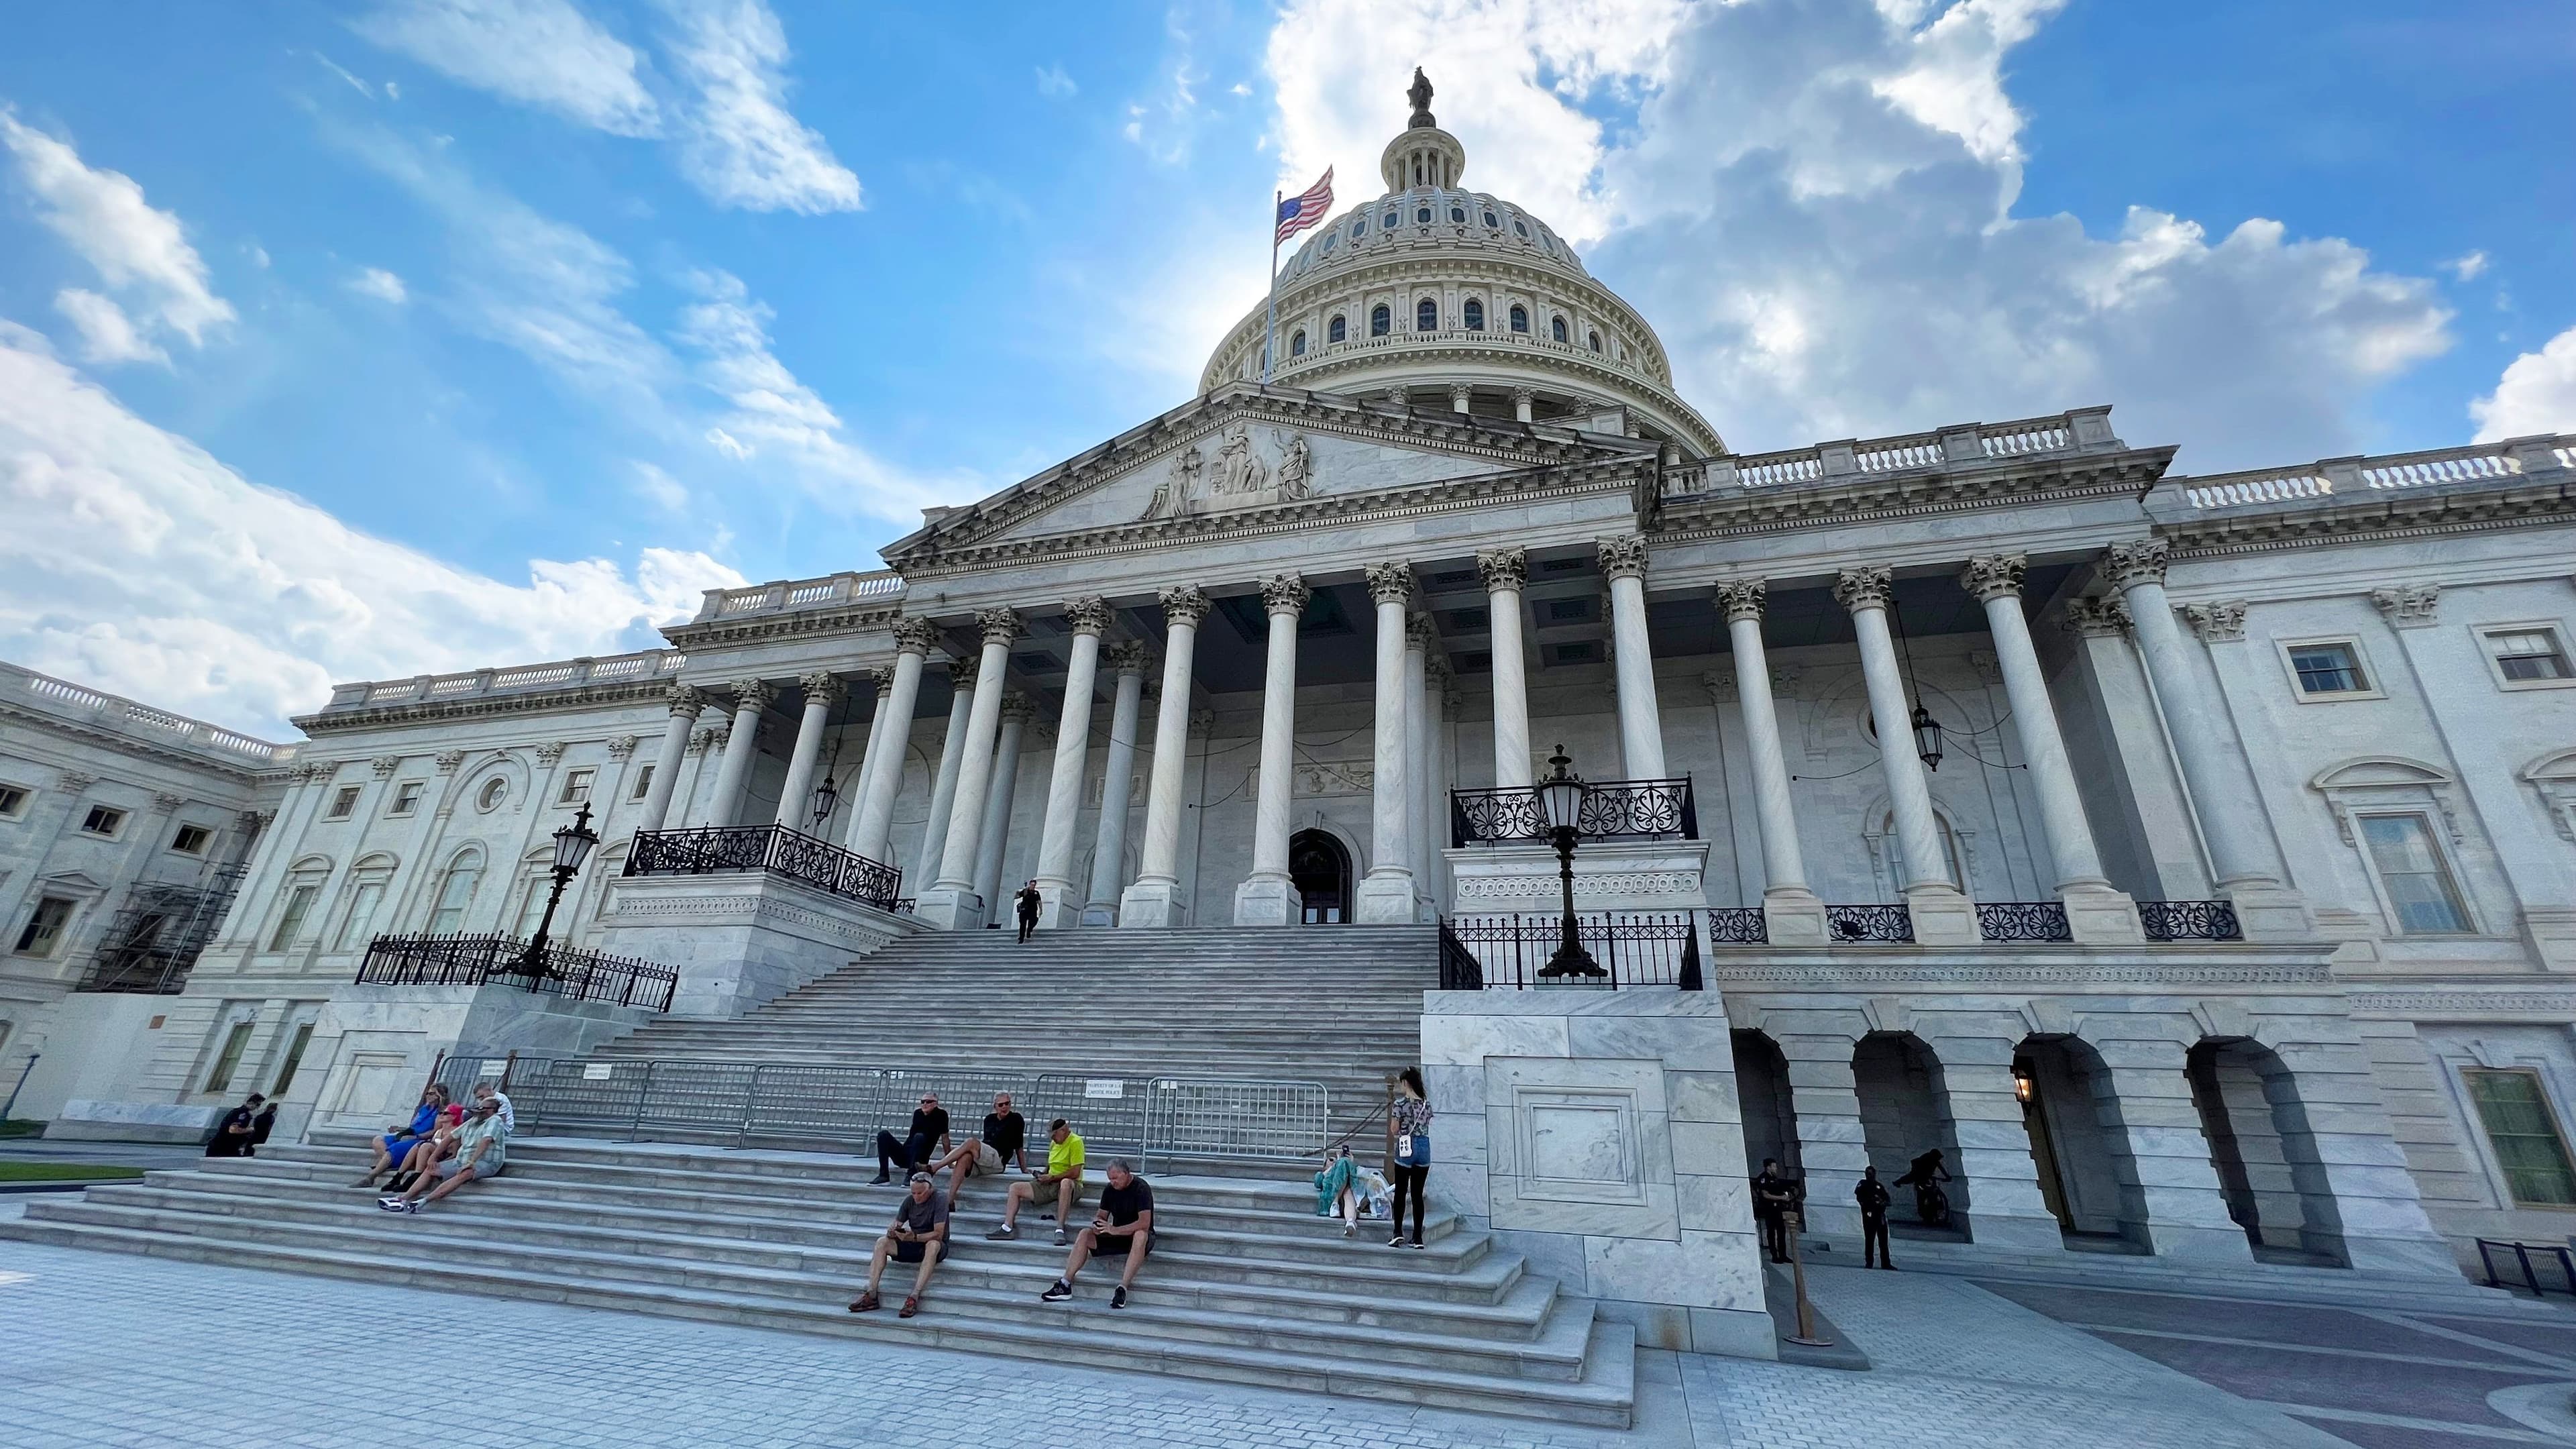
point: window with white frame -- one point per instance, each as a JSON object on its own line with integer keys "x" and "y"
{"x": 191, "y": 839}
{"x": 2328, "y": 669}
{"x": 2413, "y": 874}
{"x": 359, "y": 926}
{"x": 455, "y": 893}
{"x": 643, "y": 783}
{"x": 103, "y": 820}
{"x": 406, "y": 798}
{"x": 299, "y": 904}
{"x": 13, "y": 801}
{"x": 344, "y": 803}
{"x": 2513, "y": 1109}
{"x": 576, "y": 786}
{"x": 2527, "y": 655}
{"x": 228, "y": 1057}
{"x": 45, "y": 925}
{"x": 294, "y": 1058}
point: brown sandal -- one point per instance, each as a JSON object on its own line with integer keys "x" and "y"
{"x": 911, "y": 1306}
{"x": 865, "y": 1303}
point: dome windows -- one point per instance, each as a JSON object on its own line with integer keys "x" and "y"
{"x": 1556, "y": 328}
{"x": 1521, "y": 227}
{"x": 1426, "y": 316}
{"x": 1422, "y": 216}
{"x": 1359, "y": 227}
{"x": 1492, "y": 222}
{"x": 1297, "y": 343}
{"x": 1520, "y": 318}
{"x": 1474, "y": 312}
{"x": 1381, "y": 321}
{"x": 1337, "y": 330}
{"x": 1596, "y": 342}
{"x": 1390, "y": 219}
{"x": 1458, "y": 216}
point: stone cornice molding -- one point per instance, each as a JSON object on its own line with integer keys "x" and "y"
{"x": 1845, "y": 974}
{"x": 2097, "y": 618}
{"x": 577, "y": 698}
{"x": 1390, "y": 582}
{"x": 1087, "y": 616}
{"x": 2409, "y": 606}
{"x": 2140, "y": 562}
{"x": 2221, "y": 622}
{"x": 1741, "y": 599}
{"x": 752, "y": 628}
{"x": 2464, "y": 1003}
{"x": 1893, "y": 497}
{"x": 1991, "y": 576}
{"x": 1504, "y": 570}
{"x": 1285, "y": 594}
{"x": 244, "y": 773}
{"x": 914, "y": 636}
{"x": 1622, "y": 556}
{"x": 1866, "y": 587}
{"x": 2370, "y": 514}
{"x": 998, "y": 626}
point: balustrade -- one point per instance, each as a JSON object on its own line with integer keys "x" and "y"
{"x": 2189, "y": 921}
{"x": 1869, "y": 923}
{"x": 1612, "y": 810}
{"x": 2023, "y": 921}
{"x": 775, "y": 849}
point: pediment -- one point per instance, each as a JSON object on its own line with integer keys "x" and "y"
{"x": 1249, "y": 457}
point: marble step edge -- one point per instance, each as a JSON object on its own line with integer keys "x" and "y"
{"x": 2269, "y": 1280}
{"x": 1605, "y": 1396}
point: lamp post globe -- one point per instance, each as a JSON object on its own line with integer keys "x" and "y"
{"x": 827, "y": 798}
{"x": 1560, "y": 802}
{"x": 573, "y": 844}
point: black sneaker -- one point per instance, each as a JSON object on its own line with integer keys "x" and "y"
{"x": 1060, "y": 1292}
{"x": 881, "y": 1180}
{"x": 1119, "y": 1298}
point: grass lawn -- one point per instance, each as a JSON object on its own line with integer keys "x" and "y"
{"x": 63, "y": 1171}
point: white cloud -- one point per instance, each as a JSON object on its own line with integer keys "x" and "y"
{"x": 1054, "y": 84}
{"x": 333, "y": 66}
{"x": 2537, "y": 394}
{"x": 380, "y": 284}
{"x": 107, "y": 334}
{"x": 138, "y": 562}
{"x": 543, "y": 53}
{"x": 2467, "y": 268}
{"x": 1813, "y": 205}
{"x": 659, "y": 488}
{"x": 739, "y": 144}
{"x": 139, "y": 252}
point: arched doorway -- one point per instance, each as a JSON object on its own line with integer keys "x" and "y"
{"x": 1905, "y": 1113}
{"x": 2078, "y": 1139}
{"x": 2264, "y": 1149}
{"x": 1762, "y": 1093}
{"x": 1321, "y": 870}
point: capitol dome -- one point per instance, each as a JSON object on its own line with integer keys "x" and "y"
{"x": 1458, "y": 299}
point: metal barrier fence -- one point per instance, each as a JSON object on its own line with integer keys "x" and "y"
{"x": 817, "y": 1105}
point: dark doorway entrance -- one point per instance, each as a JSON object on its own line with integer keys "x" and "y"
{"x": 1321, "y": 869}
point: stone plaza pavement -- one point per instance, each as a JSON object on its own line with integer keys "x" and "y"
{"x": 107, "y": 1349}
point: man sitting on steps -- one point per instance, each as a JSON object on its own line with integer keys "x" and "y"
{"x": 1005, "y": 1138}
{"x": 929, "y": 1129}
{"x": 919, "y": 1234}
{"x": 1123, "y": 1228}
{"x": 1062, "y": 1179}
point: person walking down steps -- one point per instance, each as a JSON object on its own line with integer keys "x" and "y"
{"x": 1408, "y": 1151}
{"x": 1028, "y": 904}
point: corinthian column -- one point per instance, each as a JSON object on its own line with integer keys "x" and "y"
{"x": 1506, "y": 571}
{"x": 1057, "y": 905}
{"x": 943, "y": 784}
{"x": 882, "y": 776}
{"x": 1017, "y": 711}
{"x": 1155, "y": 898}
{"x": 1421, "y": 637}
{"x": 686, "y": 704}
{"x": 1267, "y": 897}
{"x": 2094, "y": 911}
{"x": 1386, "y": 892}
{"x": 823, "y": 691}
{"x": 750, "y": 697}
{"x": 1129, "y": 662}
{"x": 1641, "y": 726}
{"x": 1790, "y": 911}
{"x": 951, "y": 902}
{"x": 1943, "y": 915}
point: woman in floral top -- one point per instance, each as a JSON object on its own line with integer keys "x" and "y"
{"x": 1408, "y": 1151}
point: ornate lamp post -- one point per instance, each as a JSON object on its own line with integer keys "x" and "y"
{"x": 1560, "y": 803}
{"x": 827, "y": 798}
{"x": 573, "y": 844}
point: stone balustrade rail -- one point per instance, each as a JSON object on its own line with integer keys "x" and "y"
{"x": 643, "y": 664}
{"x": 788, "y": 595}
{"x": 1960, "y": 445}
{"x": 63, "y": 699}
{"x": 2501, "y": 462}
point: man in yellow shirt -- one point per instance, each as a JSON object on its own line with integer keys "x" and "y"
{"x": 1063, "y": 1178}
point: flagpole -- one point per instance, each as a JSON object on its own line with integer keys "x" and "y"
{"x": 1270, "y": 328}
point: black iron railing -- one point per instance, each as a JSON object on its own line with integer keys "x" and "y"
{"x": 1738, "y": 926}
{"x": 1612, "y": 810}
{"x": 1636, "y": 948}
{"x": 707, "y": 849}
{"x": 2189, "y": 921}
{"x": 1459, "y": 968}
{"x": 476, "y": 960}
{"x": 1869, "y": 923}
{"x": 2555, "y": 1254}
{"x": 2023, "y": 921}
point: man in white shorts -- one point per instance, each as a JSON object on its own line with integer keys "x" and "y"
{"x": 1005, "y": 1138}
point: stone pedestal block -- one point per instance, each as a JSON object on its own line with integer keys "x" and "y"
{"x": 950, "y": 908}
{"x": 1385, "y": 900}
{"x": 1793, "y": 916}
{"x": 1609, "y": 875}
{"x": 740, "y": 938}
{"x": 2270, "y": 912}
{"x": 1153, "y": 904}
{"x": 2101, "y": 916}
{"x": 1058, "y": 906}
{"x": 1942, "y": 915}
{"x": 1265, "y": 901}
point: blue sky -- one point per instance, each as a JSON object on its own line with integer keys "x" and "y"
{"x": 360, "y": 340}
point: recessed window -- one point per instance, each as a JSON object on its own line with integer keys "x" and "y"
{"x": 2328, "y": 669}
{"x": 1474, "y": 312}
{"x": 1556, "y": 328}
{"x": 494, "y": 791}
{"x": 228, "y": 1060}
{"x": 344, "y": 803}
{"x": 1323, "y": 251}
{"x": 1492, "y": 220}
{"x": 294, "y": 1058}
{"x": 1521, "y": 227}
{"x": 1336, "y": 330}
{"x": 1426, "y": 316}
{"x": 2514, "y": 1110}
{"x": 2412, "y": 872}
{"x": 299, "y": 904}
{"x": 1520, "y": 318}
{"x": 1381, "y": 321}
{"x": 1389, "y": 220}
{"x": 1359, "y": 227}
{"x": 191, "y": 839}
{"x": 406, "y": 798}
{"x": 1458, "y": 215}
{"x": 1297, "y": 343}
{"x": 359, "y": 926}
{"x": 103, "y": 820}
{"x": 44, "y": 929}
{"x": 1422, "y": 216}
{"x": 576, "y": 786}
{"x": 1596, "y": 341}
{"x": 643, "y": 783}
{"x": 13, "y": 801}
{"x": 2528, "y": 656}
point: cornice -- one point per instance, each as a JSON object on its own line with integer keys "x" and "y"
{"x": 2464, "y": 1002}
{"x": 2388, "y": 515}
{"x": 247, "y": 774}
{"x": 1917, "y": 493}
{"x": 794, "y": 623}
{"x": 1845, "y": 976}
{"x": 533, "y": 701}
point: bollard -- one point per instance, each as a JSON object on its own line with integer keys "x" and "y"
{"x": 1805, "y": 1337}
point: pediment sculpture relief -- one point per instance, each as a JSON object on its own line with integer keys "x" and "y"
{"x": 1244, "y": 474}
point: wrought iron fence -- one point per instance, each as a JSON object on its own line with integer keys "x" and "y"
{"x": 2189, "y": 921}
{"x": 1738, "y": 926}
{"x": 2023, "y": 921}
{"x": 818, "y": 1105}
{"x": 471, "y": 959}
{"x": 1612, "y": 810}
{"x": 1459, "y": 968}
{"x": 1634, "y": 948}
{"x": 776, "y": 849}
{"x": 1869, "y": 923}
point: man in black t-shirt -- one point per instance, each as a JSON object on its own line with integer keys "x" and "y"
{"x": 918, "y": 1234}
{"x": 1004, "y": 1140}
{"x": 1123, "y": 1226}
{"x": 1873, "y": 1197}
{"x": 1028, "y": 901}
{"x": 233, "y": 1137}
{"x": 929, "y": 1129}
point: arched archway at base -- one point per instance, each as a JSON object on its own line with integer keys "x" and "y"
{"x": 2264, "y": 1148}
{"x": 1320, "y": 868}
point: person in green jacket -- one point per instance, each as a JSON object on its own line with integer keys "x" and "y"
{"x": 1337, "y": 1189}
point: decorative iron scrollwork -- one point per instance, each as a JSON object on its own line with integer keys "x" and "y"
{"x": 773, "y": 848}
{"x": 1612, "y": 810}
{"x": 2023, "y": 921}
{"x": 1869, "y": 923}
{"x": 2190, "y": 921}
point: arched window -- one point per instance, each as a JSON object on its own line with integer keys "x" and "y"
{"x": 1297, "y": 343}
{"x": 1491, "y": 220}
{"x": 1521, "y": 227}
{"x": 1596, "y": 341}
{"x": 1556, "y": 328}
{"x": 1458, "y": 215}
{"x": 1336, "y": 330}
{"x": 1426, "y": 316}
{"x": 1475, "y": 315}
{"x": 1389, "y": 220}
{"x": 1423, "y": 216}
{"x": 1520, "y": 318}
{"x": 1381, "y": 321}
{"x": 1359, "y": 227}
{"x": 456, "y": 892}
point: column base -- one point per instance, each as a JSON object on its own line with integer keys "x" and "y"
{"x": 1057, "y": 909}
{"x": 1265, "y": 900}
{"x": 1942, "y": 915}
{"x": 1385, "y": 898}
{"x": 2266, "y": 911}
{"x": 2014, "y": 1232}
{"x": 2195, "y": 1244}
{"x": 950, "y": 908}
{"x": 1153, "y": 904}
{"x": 2097, "y": 915}
{"x": 2550, "y": 931}
{"x": 1794, "y": 916}
{"x": 1100, "y": 913}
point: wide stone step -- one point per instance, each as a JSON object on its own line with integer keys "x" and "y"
{"x": 1080, "y": 1332}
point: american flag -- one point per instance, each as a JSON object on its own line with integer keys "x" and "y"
{"x": 1300, "y": 212}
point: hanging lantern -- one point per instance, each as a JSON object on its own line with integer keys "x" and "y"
{"x": 827, "y": 798}
{"x": 1927, "y": 738}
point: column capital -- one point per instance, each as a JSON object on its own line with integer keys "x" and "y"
{"x": 2216, "y": 623}
{"x": 824, "y": 685}
{"x": 915, "y": 636}
{"x": 882, "y": 677}
{"x": 1202, "y": 721}
{"x": 1130, "y": 657}
{"x": 2131, "y": 564}
{"x": 753, "y": 694}
{"x": 1460, "y": 394}
{"x": 448, "y": 760}
{"x": 1991, "y": 576}
{"x": 1420, "y": 633}
{"x": 686, "y": 700}
{"x": 1864, "y": 588}
{"x": 1390, "y": 582}
{"x": 1622, "y": 556}
{"x": 550, "y": 751}
{"x": 2097, "y": 618}
{"x": 999, "y": 626}
{"x": 2408, "y": 606}
{"x": 165, "y": 803}
{"x": 1018, "y": 706}
{"x": 385, "y": 765}
{"x": 77, "y": 780}
{"x": 1285, "y": 594}
{"x": 623, "y": 746}
{"x": 705, "y": 740}
{"x": 1184, "y": 604}
{"x": 1742, "y": 599}
{"x": 253, "y": 821}
{"x": 1506, "y": 570}
{"x": 1087, "y": 616}
{"x": 1524, "y": 396}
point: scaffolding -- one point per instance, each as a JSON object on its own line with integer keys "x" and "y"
{"x": 154, "y": 941}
